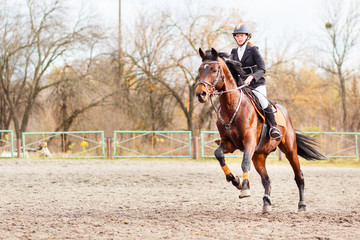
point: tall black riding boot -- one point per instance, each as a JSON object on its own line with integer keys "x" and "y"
{"x": 270, "y": 116}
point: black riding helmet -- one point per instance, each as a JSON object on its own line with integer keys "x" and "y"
{"x": 242, "y": 28}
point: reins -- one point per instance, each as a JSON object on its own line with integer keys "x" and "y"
{"x": 215, "y": 92}
{"x": 218, "y": 112}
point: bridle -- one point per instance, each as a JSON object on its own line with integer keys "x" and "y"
{"x": 212, "y": 86}
{"x": 219, "y": 93}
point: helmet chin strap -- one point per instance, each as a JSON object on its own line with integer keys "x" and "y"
{"x": 247, "y": 39}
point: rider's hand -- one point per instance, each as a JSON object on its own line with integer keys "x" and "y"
{"x": 248, "y": 80}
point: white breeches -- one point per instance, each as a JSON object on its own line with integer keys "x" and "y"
{"x": 260, "y": 93}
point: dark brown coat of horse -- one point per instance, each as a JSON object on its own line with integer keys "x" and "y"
{"x": 240, "y": 126}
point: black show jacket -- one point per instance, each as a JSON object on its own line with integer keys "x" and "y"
{"x": 253, "y": 59}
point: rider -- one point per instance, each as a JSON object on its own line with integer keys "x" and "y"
{"x": 254, "y": 66}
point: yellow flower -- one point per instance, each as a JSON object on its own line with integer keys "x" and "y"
{"x": 84, "y": 144}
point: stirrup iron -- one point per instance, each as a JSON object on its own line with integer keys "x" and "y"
{"x": 275, "y": 133}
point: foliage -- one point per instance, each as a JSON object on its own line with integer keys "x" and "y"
{"x": 31, "y": 44}
{"x": 164, "y": 52}
{"x": 62, "y": 75}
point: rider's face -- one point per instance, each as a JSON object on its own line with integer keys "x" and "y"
{"x": 241, "y": 38}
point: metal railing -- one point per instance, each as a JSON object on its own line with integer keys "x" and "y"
{"x": 337, "y": 144}
{"x": 72, "y": 144}
{"x": 7, "y": 143}
{"x": 331, "y": 144}
{"x": 208, "y": 146}
{"x": 150, "y": 144}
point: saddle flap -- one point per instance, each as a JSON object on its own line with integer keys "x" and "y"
{"x": 279, "y": 116}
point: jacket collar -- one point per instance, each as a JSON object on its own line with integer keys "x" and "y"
{"x": 246, "y": 53}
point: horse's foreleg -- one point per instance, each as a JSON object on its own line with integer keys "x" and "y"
{"x": 219, "y": 154}
{"x": 245, "y": 166}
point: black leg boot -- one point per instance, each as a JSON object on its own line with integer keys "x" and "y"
{"x": 274, "y": 131}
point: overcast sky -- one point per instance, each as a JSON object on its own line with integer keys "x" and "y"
{"x": 277, "y": 21}
{"x": 273, "y": 18}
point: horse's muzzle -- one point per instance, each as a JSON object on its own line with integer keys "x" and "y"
{"x": 202, "y": 96}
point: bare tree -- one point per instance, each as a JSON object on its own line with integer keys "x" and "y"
{"x": 341, "y": 24}
{"x": 355, "y": 99}
{"x": 30, "y": 45}
{"x": 75, "y": 94}
{"x": 166, "y": 52}
{"x": 200, "y": 30}
{"x": 147, "y": 100}
{"x": 11, "y": 46}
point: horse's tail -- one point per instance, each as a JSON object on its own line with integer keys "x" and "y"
{"x": 305, "y": 148}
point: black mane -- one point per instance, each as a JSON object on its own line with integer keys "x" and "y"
{"x": 234, "y": 66}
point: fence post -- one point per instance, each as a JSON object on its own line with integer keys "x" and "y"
{"x": 196, "y": 147}
{"x": 18, "y": 145}
{"x": 357, "y": 147}
{"x": 108, "y": 147}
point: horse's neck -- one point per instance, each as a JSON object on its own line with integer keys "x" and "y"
{"x": 234, "y": 102}
{"x": 230, "y": 99}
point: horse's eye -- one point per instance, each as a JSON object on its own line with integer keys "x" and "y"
{"x": 214, "y": 70}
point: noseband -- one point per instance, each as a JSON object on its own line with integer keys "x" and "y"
{"x": 212, "y": 86}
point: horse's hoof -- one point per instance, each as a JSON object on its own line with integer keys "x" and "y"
{"x": 245, "y": 193}
{"x": 266, "y": 209}
{"x": 230, "y": 177}
{"x": 302, "y": 209}
{"x": 267, "y": 204}
{"x": 302, "y": 206}
{"x": 237, "y": 183}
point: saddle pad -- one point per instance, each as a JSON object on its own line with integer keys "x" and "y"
{"x": 279, "y": 117}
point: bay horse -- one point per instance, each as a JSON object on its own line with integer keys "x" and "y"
{"x": 240, "y": 125}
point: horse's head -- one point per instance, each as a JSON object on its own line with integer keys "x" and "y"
{"x": 211, "y": 76}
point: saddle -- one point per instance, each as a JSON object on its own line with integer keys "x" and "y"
{"x": 279, "y": 117}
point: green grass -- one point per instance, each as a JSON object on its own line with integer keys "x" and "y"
{"x": 334, "y": 162}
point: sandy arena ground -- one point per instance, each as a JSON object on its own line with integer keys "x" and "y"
{"x": 158, "y": 199}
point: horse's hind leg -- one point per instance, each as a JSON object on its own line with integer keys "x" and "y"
{"x": 291, "y": 155}
{"x": 259, "y": 164}
{"x": 219, "y": 154}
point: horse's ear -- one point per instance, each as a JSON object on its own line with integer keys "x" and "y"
{"x": 214, "y": 52}
{"x": 202, "y": 54}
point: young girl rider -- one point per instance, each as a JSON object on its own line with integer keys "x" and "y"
{"x": 254, "y": 66}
